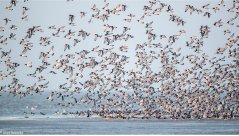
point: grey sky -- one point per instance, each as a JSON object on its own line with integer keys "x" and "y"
{"x": 54, "y": 12}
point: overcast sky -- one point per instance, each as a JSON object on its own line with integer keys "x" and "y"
{"x": 46, "y": 13}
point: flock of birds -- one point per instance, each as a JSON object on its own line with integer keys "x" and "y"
{"x": 207, "y": 88}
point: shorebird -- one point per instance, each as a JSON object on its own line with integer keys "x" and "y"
{"x": 116, "y": 72}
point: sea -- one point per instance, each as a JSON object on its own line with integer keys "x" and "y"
{"x": 16, "y": 119}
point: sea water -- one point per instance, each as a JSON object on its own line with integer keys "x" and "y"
{"x": 100, "y": 126}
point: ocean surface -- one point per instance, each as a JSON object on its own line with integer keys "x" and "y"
{"x": 13, "y": 111}
{"x": 99, "y": 126}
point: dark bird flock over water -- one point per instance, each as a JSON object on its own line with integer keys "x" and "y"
{"x": 107, "y": 80}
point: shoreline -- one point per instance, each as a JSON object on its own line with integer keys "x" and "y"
{"x": 108, "y": 119}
